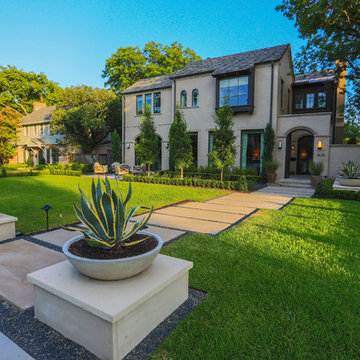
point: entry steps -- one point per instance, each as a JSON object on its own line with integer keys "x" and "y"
{"x": 295, "y": 182}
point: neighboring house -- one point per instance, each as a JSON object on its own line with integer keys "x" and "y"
{"x": 36, "y": 140}
{"x": 261, "y": 88}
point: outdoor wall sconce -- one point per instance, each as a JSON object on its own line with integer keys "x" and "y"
{"x": 292, "y": 148}
{"x": 128, "y": 146}
{"x": 167, "y": 145}
{"x": 280, "y": 145}
{"x": 320, "y": 144}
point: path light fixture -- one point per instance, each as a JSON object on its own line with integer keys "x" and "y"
{"x": 47, "y": 208}
{"x": 280, "y": 145}
{"x": 320, "y": 144}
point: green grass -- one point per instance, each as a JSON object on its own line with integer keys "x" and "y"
{"x": 282, "y": 285}
{"x": 23, "y": 197}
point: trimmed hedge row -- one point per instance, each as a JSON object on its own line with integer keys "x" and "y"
{"x": 52, "y": 171}
{"x": 241, "y": 185}
{"x": 324, "y": 190}
{"x": 19, "y": 173}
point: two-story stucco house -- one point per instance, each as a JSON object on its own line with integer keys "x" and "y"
{"x": 261, "y": 88}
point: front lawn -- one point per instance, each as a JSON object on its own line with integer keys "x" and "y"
{"x": 282, "y": 285}
{"x": 23, "y": 197}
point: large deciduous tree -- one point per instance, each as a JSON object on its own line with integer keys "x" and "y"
{"x": 331, "y": 29}
{"x": 84, "y": 116}
{"x": 130, "y": 64}
{"x": 147, "y": 150}
{"x": 180, "y": 149}
{"x": 224, "y": 151}
{"x": 20, "y": 89}
{"x": 9, "y": 119}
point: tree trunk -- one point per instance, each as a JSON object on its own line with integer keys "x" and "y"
{"x": 148, "y": 170}
{"x": 221, "y": 174}
{"x": 182, "y": 173}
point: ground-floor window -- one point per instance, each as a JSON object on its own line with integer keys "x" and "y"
{"x": 252, "y": 146}
{"x": 194, "y": 145}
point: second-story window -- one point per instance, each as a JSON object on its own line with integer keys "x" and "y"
{"x": 321, "y": 100}
{"x": 195, "y": 97}
{"x": 299, "y": 102}
{"x": 148, "y": 101}
{"x": 157, "y": 103}
{"x": 139, "y": 104}
{"x": 310, "y": 101}
{"x": 234, "y": 91}
{"x": 282, "y": 94}
{"x": 183, "y": 99}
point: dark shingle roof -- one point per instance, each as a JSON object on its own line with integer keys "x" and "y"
{"x": 41, "y": 115}
{"x": 157, "y": 82}
{"x": 314, "y": 77}
{"x": 233, "y": 63}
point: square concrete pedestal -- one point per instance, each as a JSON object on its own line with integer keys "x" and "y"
{"x": 7, "y": 226}
{"x": 109, "y": 318}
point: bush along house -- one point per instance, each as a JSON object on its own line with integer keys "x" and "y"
{"x": 304, "y": 110}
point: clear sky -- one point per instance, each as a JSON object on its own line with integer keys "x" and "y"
{"x": 69, "y": 40}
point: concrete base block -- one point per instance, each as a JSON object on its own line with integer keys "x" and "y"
{"x": 109, "y": 318}
{"x": 7, "y": 227}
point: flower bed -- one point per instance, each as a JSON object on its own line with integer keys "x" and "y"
{"x": 324, "y": 190}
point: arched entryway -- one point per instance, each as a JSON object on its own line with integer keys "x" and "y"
{"x": 157, "y": 165}
{"x": 299, "y": 152}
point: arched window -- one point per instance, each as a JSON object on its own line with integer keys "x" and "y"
{"x": 183, "y": 99}
{"x": 195, "y": 97}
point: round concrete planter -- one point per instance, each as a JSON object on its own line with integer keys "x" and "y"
{"x": 315, "y": 179}
{"x": 349, "y": 182}
{"x": 115, "y": 269}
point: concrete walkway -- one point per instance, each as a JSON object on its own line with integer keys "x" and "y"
{"x": 287, "y": 191}
{"x": 10, "y": 351}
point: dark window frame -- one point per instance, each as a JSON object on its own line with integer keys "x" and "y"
{"x": 154, "y": 107}
{"x": 251, "y": 79}
{"x": 192, "y": 97}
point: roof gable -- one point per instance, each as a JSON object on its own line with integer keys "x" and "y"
{"x": 42, "y": 115}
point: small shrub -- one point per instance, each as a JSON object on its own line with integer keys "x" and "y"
{"x": 316, "y": 168}
{"x": 3, "y": 172}
{"x": 349, "y": 170}
{"x": 271, "y": 166}
{"x": 324, "y": 190}
{"x": 40, "y": 167}
{"x": 30, "y": 161}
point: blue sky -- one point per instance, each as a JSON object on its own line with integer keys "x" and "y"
{"x": 69, "y": 41}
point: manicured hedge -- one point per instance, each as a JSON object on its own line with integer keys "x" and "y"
{"x": 52, "y": 171}
{"x": 241, "y": 185}
{"x": 19, "y": 173}
{"x": 324, "y": 190}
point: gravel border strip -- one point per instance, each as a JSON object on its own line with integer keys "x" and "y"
{"x": 43, "y": 343}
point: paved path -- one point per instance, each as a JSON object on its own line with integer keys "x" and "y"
{"x": 287, "y": 191}
{"x": 10, "y": 351}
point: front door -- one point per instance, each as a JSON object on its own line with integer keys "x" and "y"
{"x": 304, "y": 154}
{"x": 252, "y": 149}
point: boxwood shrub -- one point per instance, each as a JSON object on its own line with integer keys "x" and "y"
{"x": 240, "y": 185}
{"x": 324, "y": 190}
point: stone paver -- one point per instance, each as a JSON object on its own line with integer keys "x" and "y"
{"x": 286, "y": 191}
{"x": 251, "y": 203}
{"x": 10, "y": 351}
{"x": 17, "y": 259}
{"x": 240, "y": 210}
{"x": 56, "y": 237}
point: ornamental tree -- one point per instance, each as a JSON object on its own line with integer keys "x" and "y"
{"x": 130, "y": 64}
{"x": 116, "y": 146}
{"x": 180, "y": 149}
{"x": 9, "y": 119}
{"x": 147, "y": 149}
{"x": 269, "y": 142}
{"x": 224, "y": 152}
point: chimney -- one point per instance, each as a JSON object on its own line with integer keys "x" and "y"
{"x": 38, "y": 105}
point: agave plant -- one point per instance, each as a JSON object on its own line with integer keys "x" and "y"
{"x": 349, "y": 170}
{"x": 105, "y": 218}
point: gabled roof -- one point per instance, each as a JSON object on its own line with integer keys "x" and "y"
{"x": 233, "y": 63}
{"x": 157, "y": 82}
{"x": 315, "y": 77}
{"x": 42, "y": 115}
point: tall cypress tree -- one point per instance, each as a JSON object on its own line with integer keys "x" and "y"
{"x": 180, "y": 144}
{"x": 147, "y": 149}
{"x": 116, "y": 146}
{"x": 224, "y": 152}
{"x": 269, "y": 142}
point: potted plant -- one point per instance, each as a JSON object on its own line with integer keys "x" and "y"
{"x": 111, "y": 247}
{"x": 349, "y": 174}
{"x": 271, "y": 167}
{"x": 315, "y": 168}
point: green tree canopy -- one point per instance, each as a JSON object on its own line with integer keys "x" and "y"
{"x": 179, "y": 143}
{"x": 130, "y": 64}
{"x": 224, "y": 152}
{"x": 147, "y": 150}
{"x": 9, "y": 119}
{"x": 20, "y": 89}
{"x": 269, "y": 142}
{"x": 332, "y": 31}
{"x": 84, "y": 117}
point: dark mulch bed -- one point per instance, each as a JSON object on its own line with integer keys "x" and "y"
{"x": 83, "y": 249}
